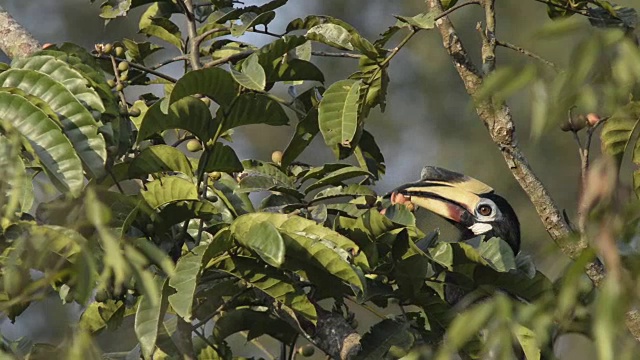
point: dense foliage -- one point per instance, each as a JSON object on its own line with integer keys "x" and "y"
{"x": 152, "y": 217}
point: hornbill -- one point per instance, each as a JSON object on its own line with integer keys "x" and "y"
{"x": 467, "y": 203}
{"x": 471, "y": 206}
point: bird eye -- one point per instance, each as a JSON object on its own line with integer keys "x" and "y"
{"x": 485, "y": 210}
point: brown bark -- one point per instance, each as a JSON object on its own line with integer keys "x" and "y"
{"x": 15, "y": 40}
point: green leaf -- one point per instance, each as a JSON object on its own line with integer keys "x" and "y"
{"x": 252, "y": 75}
{"x": 347, "y": 190}
{"x": 164, "y": 29}
{"x": 421, "y": 21}
{"x": 377, "y": 78}
{"x": 465, "y": 326}
{"x": 337, "y": 177}
{"x": 138, "y": 51}
{"x": 78, "y": 124}
{"x": 188, "y": 113}
{"x": 271, "y": 282}
{"x": 607, "y": 319}
{"x": 267, "y": 169}
{"x": 83, "y": 347}
{"x": 266, "y": 241}
{"x": 13, "y": 171}
{"x": 62, "y": 72}
{"x": 251, "y": 108}
{"x": 167, "y": 190}
{"x": 498, "y": 254}
{"x": 159, "y": 158}
{"x": 256, "y": 322}
{"x": 251, "y": 19}
{"x": 617, "y": 131}
{"x": 188, "y": 270}
{"x": 155, "y": 255}
{"x": 338, "y": 114}
{"x": 324, "y": 248}
{"x": 148, "y": 317}
{"x": 306, "y": 130}
{"x": 505, "y": 81}
{"x": 100, "y": 315}
{"x": 280, "y": 65}
{"x": 377, "y": 342}
{"x": 528, "y": 341}
{"x": 212, "y": 82}
{"x": 221, "y": 158}
{"x": 177, "y": 212}
{"x": 52, "y": 149}
{"x": 157, "y": 9}
{"x": 296, "y": 70}
{"x": 331, "y": 34}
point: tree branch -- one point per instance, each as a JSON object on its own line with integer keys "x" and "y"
{"x": 498, "y": 120}
{"x": 194, "y": 49}
{"x": 15, "y": 40}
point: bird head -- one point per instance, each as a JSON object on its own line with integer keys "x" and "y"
{"x": 468, "y": 203}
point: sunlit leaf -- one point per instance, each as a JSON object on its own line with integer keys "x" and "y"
{"x": 52, "y": 149}
{"x": 78, "y": 124}
{"x": 272, "y": 283}
{"x": 338, "y": 113}
{"x": 167, "y": 190}
{"x": 251, "y": 74}
{"x": 215, "y": 83}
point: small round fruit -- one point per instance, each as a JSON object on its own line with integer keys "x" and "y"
{"x": 276, "y": 157}
{"x": 111, "y": 83}
{"x": 119, "y": 87}
{"x": 566, "y": 126}
{"x": 307, "y": 350}
{"x": 215, "y": 175}
{"x": 124, "y": 76}
{"x": 579, "y": 122}
{"x": 119, "y": 51}
{"x": 593, "y": 119}
{"x": 194, "y": 145}
{"x": 107, "y": 48}
{"x": 123, "y": 66}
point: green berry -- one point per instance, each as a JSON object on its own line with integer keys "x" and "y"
{"x": 123, "y": 66}
{"x": 306, "y": 350}
{"x": 119, "y": 87}
{"x": 194, "y": 145}
{"x": 119, "y": 51}
{"x": 111, "y": 83}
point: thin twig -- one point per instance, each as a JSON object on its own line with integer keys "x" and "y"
{"x": 231, "y": 58}
{"x": 144, "y": 68}
{"x": 200, "y": 38}
{"x": 559, "y": 6}
{"x": 267, "y": 32}
{"x": 452, "y": 9}
{"x": 527, "y": 53}
{"x": 334, "y": 54}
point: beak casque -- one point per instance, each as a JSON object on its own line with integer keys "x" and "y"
{"x": 449, "y": 194}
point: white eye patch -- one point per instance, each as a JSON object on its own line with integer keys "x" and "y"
{"x": 480, "y": 228}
